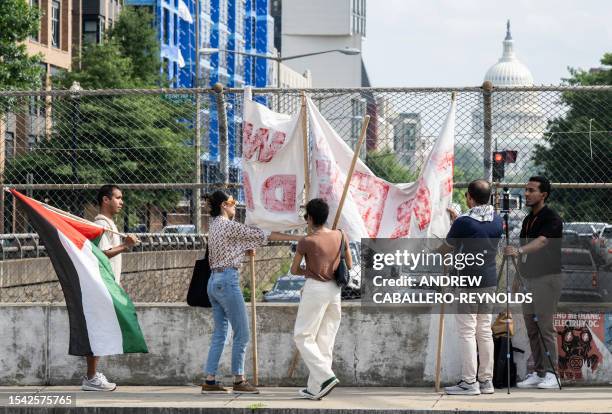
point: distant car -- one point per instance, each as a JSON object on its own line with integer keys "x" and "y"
{"x": 286, "y": 289}
{"x": 179, "y": 229}
{"x": 139, "y": 228}
{"x": 603, "y": 245}
{"x": 580, "y": 276}
{"x": 570, "y": 239}
{"x": 586, "y": 230}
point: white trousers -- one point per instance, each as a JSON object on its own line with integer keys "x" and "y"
{"x": 316, "y": 325}
{"x": 475, "y": 341}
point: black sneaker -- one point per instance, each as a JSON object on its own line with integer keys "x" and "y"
{"x": 304, "y": 393}
{"x": 327, "y": 387}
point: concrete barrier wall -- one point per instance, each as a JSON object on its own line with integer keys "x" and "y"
{"x": 373, "y": 348}
{"x": 158, "y": 276}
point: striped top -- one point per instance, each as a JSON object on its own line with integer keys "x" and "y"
{"x": 229, "y": 240}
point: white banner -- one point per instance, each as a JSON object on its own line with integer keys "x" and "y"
{"x": 273, "y": 167}
{"x": 374, "y": 207}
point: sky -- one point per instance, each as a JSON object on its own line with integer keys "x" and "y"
{"x": 454, "y": 42}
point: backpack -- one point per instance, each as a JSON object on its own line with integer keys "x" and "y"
{"x": 500, "y": 362}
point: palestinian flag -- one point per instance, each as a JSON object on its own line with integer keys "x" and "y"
{"x": 101, "y": 315}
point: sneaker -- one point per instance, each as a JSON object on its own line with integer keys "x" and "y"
{"x": 216, "y": 388}
{"x": 463, "y": 388}
{"x": 97, "y": 383}
{"x": 531, "y": 381}
{"x": 549, "y": 382}
{"x": 486, "y": 387}
{"x": 243, "y": 387}
{"x": 304, "y": 393}
{"x": 327, "y": 387}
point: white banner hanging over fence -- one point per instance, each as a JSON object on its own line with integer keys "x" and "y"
{"x": 273, "y": 167}
{"x": 374, "y": 207}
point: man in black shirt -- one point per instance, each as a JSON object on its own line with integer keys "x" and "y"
{"x": 540, "y": 266}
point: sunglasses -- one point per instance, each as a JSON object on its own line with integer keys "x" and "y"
{"x": 230, "y": 201}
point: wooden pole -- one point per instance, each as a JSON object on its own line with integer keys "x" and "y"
{"x": 364, "y": 127}
{"x": 296, "y": 355}
{"x": 305, "y": 142}
{"x": 439, "y": 350}
{"x": 253, "y": 318}
{"x": 72, "y": 216}
{"x": 440, "y": 328}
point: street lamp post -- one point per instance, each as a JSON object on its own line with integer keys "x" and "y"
{"x": 278, "y": 58}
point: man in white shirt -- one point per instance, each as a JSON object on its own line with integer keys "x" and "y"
{"x": 110, "y": 203}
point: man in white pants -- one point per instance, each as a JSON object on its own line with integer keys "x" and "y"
{"x": 318, "y": 317}
{"x": 478, "y": 232}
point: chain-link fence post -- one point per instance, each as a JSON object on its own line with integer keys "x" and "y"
{"x": 487, "y": 89}
{"x": 197, "y": 191}
{"x": 2, "y": 163}
{"x": 223, "y": 138}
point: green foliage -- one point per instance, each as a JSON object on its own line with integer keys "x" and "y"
{"x": 384, "y": 164}
{"x": 459, "y": 193}
{"x": 567, "y": 158}
{"x": 136, "y": 37}
{"x": 128, "y": 57}
{"x": 119, "y": 138}
{"x": 18, "y": 70}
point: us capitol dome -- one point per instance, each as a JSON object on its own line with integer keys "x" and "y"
{"x": 517, "y": 120}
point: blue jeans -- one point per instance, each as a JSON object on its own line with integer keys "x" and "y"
{"x": 227, "y": 305}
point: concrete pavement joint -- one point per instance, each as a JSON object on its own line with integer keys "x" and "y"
{"x": 440, "y": 396}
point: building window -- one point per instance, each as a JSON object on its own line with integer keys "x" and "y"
{"x": 176, "y": 29}
{"x": 32, "y": 140}
{"x": 90, "y": 31}
{"x": 175, "y": 74}
{"x": 166, "y": 26}
{"x": 166, "y": 67}
{"x": 35, "y": 4}
{"x": 359, "y": 16}
{"x": 358, "y": 109}
{"x": 36, "y": 106}
{"x": 9, "y": 144}
{"x": 55, "y": 23}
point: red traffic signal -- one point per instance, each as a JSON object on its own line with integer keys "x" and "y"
{"x": 499, "y": 160}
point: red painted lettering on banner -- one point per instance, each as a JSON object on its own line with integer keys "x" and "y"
{"x": 444, "y": 161}
{"x": 278, "y": 193}
{"x": 258, "y": 143}
{"x": 422, "y": 208}
{"x": 330, "y": 187}
{"x": 447, "y": 186}
{"x": 370, "y": 194}
{"x": 404, "y": 213}
{"x": 248, "y": 191}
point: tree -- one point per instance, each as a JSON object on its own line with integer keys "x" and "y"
{"x": 136, "y": 37}
{"x": 384, "y": 164}
{"x": 567, "y": 157}
{"x": 114, "y": 138}
{"x": 18, "y": 70}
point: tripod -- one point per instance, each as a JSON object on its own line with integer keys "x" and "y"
{"x": 506, "y": 263}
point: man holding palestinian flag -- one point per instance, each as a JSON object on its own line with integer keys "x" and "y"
{"x": 101, "y": 316}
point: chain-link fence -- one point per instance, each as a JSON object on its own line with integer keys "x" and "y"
{"x": 166, "y": 148}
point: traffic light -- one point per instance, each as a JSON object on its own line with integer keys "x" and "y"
{"x": 499, "y": 161}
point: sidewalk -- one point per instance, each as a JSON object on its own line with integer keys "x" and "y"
{"x": 285, "y": 400}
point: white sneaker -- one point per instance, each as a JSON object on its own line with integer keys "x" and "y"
{"x": 463, "y": 388}
{"x": 487, "y": 387}
{"x": 549, "y": 382}
{"x": 97, "y": 383}
{"x": 531, "y": 381}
